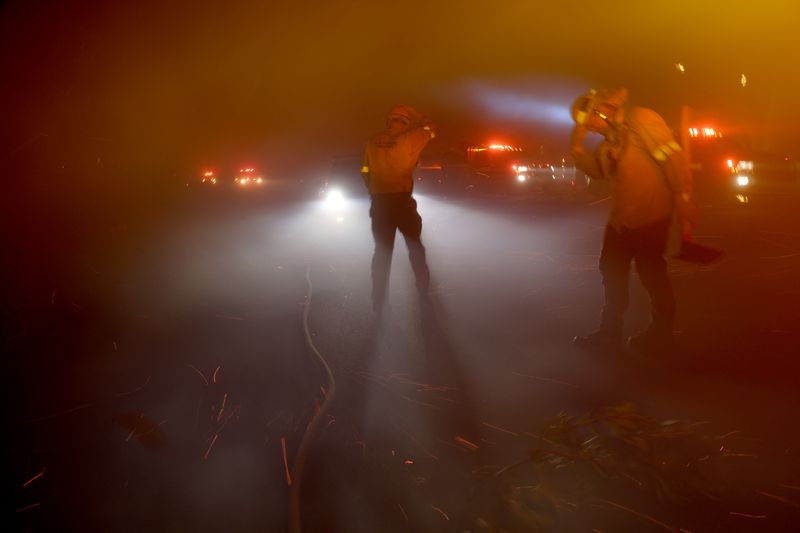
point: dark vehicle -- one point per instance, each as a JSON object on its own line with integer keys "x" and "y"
{"x": 440, "y": 174}
{"x": 509, "y": 168}
{"x": 720, "y": 166}
{"x": 498, "y": 161}
{"x": 447, "y": 172}
{"x": 343, "y": 179}
{"x": 204, "y": 179}
{"x": 209, "y": 177}
{"x": 248, "y": 178}
{"x": 723, "y": 165}
{"x": 429, "y": 169}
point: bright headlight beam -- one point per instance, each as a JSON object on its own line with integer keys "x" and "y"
{"x": 521, "y": 106}
{"x": 334, "y": 198}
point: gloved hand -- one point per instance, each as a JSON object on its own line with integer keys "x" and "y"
{"x": 582, "y": 108}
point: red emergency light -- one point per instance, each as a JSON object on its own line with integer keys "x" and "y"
{"x": 705, "y": 132}
{"x": 504, "y": 148}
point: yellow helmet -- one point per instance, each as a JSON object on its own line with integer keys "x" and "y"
{"x": 585, "y": 104}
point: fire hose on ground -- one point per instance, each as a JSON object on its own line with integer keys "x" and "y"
{"x": 295, "y": 521}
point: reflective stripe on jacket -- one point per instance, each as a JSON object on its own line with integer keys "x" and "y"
{"x": 646, "y": 168}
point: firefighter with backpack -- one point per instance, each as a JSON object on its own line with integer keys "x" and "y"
{"x": 651, "y": 183}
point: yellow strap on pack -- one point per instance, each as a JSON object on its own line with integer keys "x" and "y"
{"x": 665, "y": 150}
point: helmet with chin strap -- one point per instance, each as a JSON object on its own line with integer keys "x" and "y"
{"x": 586, "y": 104}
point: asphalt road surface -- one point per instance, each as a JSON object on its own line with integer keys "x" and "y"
{"x": 160, "y": 377}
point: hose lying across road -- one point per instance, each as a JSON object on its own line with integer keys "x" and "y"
{"x": 295, "y": 522}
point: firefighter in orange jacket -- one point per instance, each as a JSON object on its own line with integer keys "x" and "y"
{"x": 389, "y": 161}
{"x": 651, "y": 182}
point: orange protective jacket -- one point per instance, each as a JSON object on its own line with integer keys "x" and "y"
{"x": 390, "y": 158}
{"x": 647, "y": 169}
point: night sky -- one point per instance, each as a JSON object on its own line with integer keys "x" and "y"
{"x": 287, "y": 85}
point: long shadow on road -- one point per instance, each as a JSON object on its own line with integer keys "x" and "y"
{"x": 400, "y": 453}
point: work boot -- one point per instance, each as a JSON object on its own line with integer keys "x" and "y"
{"x": 651, "y": 341}
{"x": 599, "y": 342}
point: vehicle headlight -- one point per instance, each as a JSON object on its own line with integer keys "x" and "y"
{"x": 521, "y": 177}
{"x": 742, "y": 181}
{"x": 334, "y": 198}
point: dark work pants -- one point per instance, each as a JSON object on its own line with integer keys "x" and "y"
{"x": 645, "y": 246}
{"x": 389, "y": 213}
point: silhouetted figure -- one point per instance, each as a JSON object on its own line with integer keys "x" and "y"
{"x": 650, "y": 178}
{"x": 389, "y": 162}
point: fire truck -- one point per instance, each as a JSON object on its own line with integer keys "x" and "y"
{"x": 720, "y": 165}
{"x": 504, "y": 165}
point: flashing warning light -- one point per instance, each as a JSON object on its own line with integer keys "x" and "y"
{"x": 729, "y": 162}
{"x": 494, "y": 148}
{"x": 504, "y": 148}
{"x": 208, "y": 173}
{"x": 705, "y": 132}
